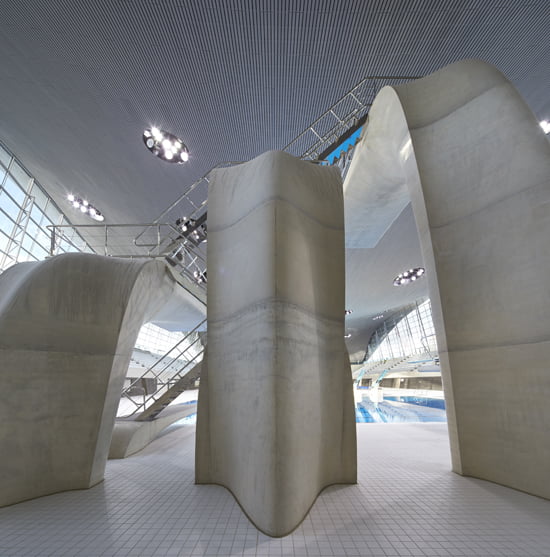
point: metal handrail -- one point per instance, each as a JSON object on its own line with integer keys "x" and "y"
{"x": 342, "y": 122}
{"x": 156, "y": 226}
{"x": 156, "y": 374}
{"x": 190, "y": 189}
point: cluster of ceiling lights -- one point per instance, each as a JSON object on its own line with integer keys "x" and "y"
{"x": 165, "y": 146}
{"x": 409, "y": 276}
{"x": 85, "y": 207}
{"x": 545, "y": 125}
{"x": 377, "y": 317}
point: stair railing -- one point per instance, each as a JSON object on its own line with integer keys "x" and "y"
{"x": 159, "y": 371}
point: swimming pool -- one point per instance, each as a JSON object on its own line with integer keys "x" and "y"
{"x": 393, "y": 409}
{"x": 419, "y": 401}
{"x": 401, "y": 410}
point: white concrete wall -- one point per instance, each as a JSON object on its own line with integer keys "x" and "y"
{"x": 67, "y": 329}
{"x": 477, "y": 168}
{"x": 276, "y": 420}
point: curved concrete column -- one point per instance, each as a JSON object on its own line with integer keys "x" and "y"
{"x": 67, "y": 329}
{"x": 276, "y": 421}
{"x": 477, "y": 167}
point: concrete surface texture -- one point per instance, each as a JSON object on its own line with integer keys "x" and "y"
{"x": 67, "y": 329}
{"x": 131, "y": 436}
{"x": 276, "y": 419}
{"x": 477, "y": 166}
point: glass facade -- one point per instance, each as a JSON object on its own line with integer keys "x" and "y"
{"x": 25, "y": 212}
{"x": 407, "y": 333}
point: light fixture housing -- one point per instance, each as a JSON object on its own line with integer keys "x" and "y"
{"x": 165, "y": 145}
{"x": 411, "y": 275}
{"x": 84, "y": 206}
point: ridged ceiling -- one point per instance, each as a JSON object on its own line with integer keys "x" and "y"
{"x": 81, "y": 79}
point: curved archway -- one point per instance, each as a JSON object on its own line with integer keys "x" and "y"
{"x": 463, "y": 147}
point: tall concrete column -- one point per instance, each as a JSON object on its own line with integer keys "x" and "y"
{"x": 276, "y": 421}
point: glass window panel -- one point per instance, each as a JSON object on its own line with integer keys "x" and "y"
{"x": 27, "y": 242}
{"x": 40, "y": 198}
{"x": 65, "y": 246}
{"x": 6, "y": 224}
{"x": 32, "y": 227}
{"x": 4, "y": 241}
{"x": 52, "y": 213}
{"x": 24, "y": 255}
{"x": 20, "y": 175}
{"x": 2, "y": 174}
{"x": 45, "y": 222}
{"x": 5, "y": 157}
{"x": 413, "y": 334}
{"x": 6, "y": 262}
{"x": 17, "y": 194}
{"x": 38, "y": 251}
{"x": 43, "y": 239}
{"x": 37, "y": 215}
{"x": 9, "y": 207}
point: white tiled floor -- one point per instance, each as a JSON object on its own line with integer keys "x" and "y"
{"x": 407, "y": 502}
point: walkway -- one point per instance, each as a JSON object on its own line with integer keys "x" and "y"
{"x": 408, "y": 502}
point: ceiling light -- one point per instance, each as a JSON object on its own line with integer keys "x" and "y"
{"x": 85, "y": 207}
{"x": 165, "y": 145}
{"x": 348, "y": 311}
{"x": 545, "y": 125}
{"x": 347, "y": 335}
{"x": 408, "y": 276}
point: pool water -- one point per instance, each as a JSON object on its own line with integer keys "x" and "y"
{"x": 419, "y": 401}
{"x": 401, "y": 410}
{"x": 393, "y": 409}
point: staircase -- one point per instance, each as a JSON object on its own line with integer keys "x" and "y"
{"x": 179, "y": 234}
{"x": 317, "y": 142}
{"x": 183, "y": 384}
{"x": 169, "y": 383}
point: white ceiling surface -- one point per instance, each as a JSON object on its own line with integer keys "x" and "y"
{"x": 81, "y": 79}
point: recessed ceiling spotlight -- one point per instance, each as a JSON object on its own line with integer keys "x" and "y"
{"x": 165, "y": 146}
{"x": 347, "y": 335}
{"x": 545, "y": 125}
{"x": 377, "y": 317}
{"x": 409, "y": 276}
{"x": 348, "y": 311}
{"x": 85, "y": 207}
